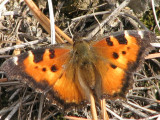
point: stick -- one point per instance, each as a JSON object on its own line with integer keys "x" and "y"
{"x": 93, "y": 107}
{"x": 111, "y": 17}
{"x": 103, "y": 109}
{"x": 44, "y": 21}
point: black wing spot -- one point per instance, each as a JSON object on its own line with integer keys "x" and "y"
{"x": 38, "y": 55}
{"x": 113, "y": 66}
{"x": 43, "y": 69}
{"x": 54, "y": 68}
{"x": 121, "y": 39}
{"x": 115, "y": 55}
{"x": 109, "y": 42}
{"x": 123, "y": 52}
{"x": 52, "y": 53}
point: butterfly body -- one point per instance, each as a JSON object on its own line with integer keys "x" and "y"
{"x": 69, "y": 73}
{"x": 85, "y": 59}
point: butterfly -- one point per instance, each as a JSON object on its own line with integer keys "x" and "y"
{"x": 69, "y": 73}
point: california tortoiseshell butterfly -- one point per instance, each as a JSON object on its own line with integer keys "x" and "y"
{"x": 67, "y": 71}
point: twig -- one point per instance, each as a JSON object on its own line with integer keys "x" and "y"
{"x": 143, "y": 98}
{"x": 3, "y": 80}
{"x": 103, "y": 110}
{"x": 141, "y": 88}
{"x": 134, "y": 18}
{"x": 134, "y": 110}
{"x": 69, "y": 29}
{"x": 158, "y": 37}
{"x": 59, "y": 39}
{"x": 93, "y": 107}
{"x": 113, "y": 113}
{"x": 153, "y": 117}
{"x": 155, "y": 16}
{"x": 50, "y": 114}
{"x": 5, "y": 110}
{"x": 111, "y": 17}
{"x": 14, "y": 94}
{"x": 32, "y": 104}
{"x": 51, "y": 16}
{"x": 96, "y": 20}
{"x": 143, "y": 108}
{"x": 44, "y": 21}
{"x": 151, "y": 56}
{"x": 90, "y": 15}
{"x": 149, "y": 78}
{"x": 2, "y": 4}
{"x": 75, "y": 118}
{"x": 3, "y": 50}
{"x": 156, "y": 45}
{"x": 60, "y": 32}
{"x": 41, "y": 106}
{"x": 9, "y": 83}
{"x": 9, "y": 13}
{"x": 16, "y": 108}
{"x": 156, "y": 61}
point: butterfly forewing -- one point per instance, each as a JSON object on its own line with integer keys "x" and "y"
{"x": 46, "y": 69}
{"x": 119, "y": 55}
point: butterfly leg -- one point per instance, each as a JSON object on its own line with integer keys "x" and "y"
{"x": 103, "y": 110}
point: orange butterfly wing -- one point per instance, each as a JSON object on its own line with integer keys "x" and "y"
{"x": 47, "y": 70}
{"x": 120, "y": 55}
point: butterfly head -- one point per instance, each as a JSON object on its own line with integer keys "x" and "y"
{"x": 81, "y": 49}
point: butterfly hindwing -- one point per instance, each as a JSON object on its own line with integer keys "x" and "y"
{"x": 120, "y": 55}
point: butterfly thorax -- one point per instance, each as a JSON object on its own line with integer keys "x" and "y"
{"x": 82, "y": 51}
{"x": 84, "y": 60}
